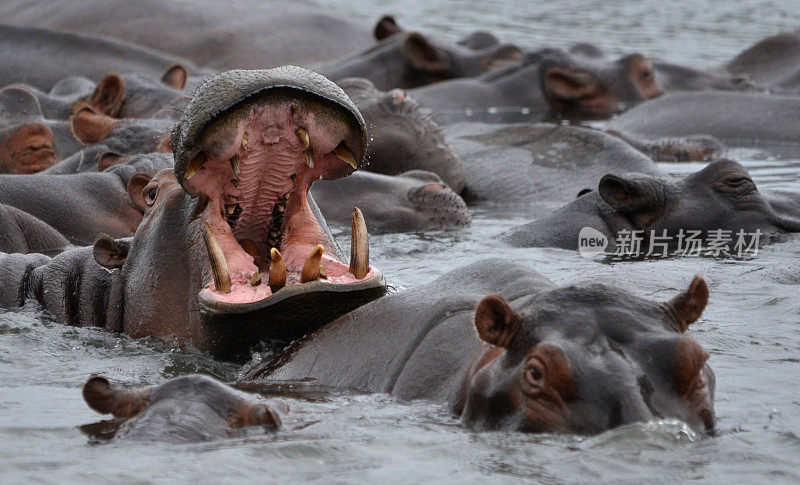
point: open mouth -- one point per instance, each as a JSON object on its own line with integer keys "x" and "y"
{"x": 254, "y": 166}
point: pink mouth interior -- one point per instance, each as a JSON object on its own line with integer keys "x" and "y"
{"x": 272, "y": 164}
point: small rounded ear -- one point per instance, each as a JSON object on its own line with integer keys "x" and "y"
{"x": 89, "y": 126}
{"x": 110, "y": 253}
{"x": 688, "y": 305}
{"x": 263, "y": 415}
{"x": 175, "y": 77}
{"x": 619, "y": 193}
{"x": 503, "y": 54}
{"x": 584, "y": 192}
{"x": 386, "y": 27}
{"x": 136, "y": 185}
{"x": 479, "y": 40}
{"x": 565, "y": 85}
{"x": 99, "y": 395}
{"x": 422, "y": 55}
{"x": 497, "y": 324}
{"x": 108, "y": 95}
{"x": 109, "y": 159}
{"x": 18, "y": 105}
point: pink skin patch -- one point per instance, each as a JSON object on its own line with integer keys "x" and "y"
{"x": 271, "y": 163}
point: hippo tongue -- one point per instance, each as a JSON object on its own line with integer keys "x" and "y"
{"x": 255, "y": 167}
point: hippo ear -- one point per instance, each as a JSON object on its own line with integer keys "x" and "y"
{"x": 89, "y": 126}
{"x": 422, "y": 55}
{"x": 100, "y": 396}
{"x": 136, "y": 185}
{"x": 107, "y": 96}
{"x": 689, "y": 304}
{"x": 386, "y": 27}
{"x": 175, "y": 77}
{"x": 110, "y": 253}
{"x": 564, "y": 88}
{"x": 501, "y": 55}
{"x": 496, "y": 322}
{"x": 109, "y": 159}
{"x": 621, "y": 194}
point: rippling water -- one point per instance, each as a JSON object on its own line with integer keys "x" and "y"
{"x": 751, "y": 327}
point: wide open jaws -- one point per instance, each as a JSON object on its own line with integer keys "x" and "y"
{"x": 254, "y": 165}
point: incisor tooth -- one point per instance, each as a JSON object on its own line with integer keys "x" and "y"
{"x": 311, "y": 267}
{"x": 219, "y": 268}
{"x": 256, "y": 279}
{"x": 302, "y": 134}
{"x": 195, "y": 165}
{"x": 359, "y": 245}
{"x": 309, "y": 158}
{"x": 244, "y": 141}
{"x": 277, "y": 271}
{"x": 237, "y": 169}
{"x": 345, "y": 155}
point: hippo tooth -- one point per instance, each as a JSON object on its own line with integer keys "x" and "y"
{"x": 277, "y": 271}
{"x": 219, "y": 267}
{"x": 256, "y": 279}
{"x": 311, "y": 267}
{"x": 309, "y": 158}
{"x": 244, "y": 141}
{"x": 359, "y": 245}
{"x": 237, "y": 169}
{"x": 195, "y": 165}
{"x": 302, "y": 134}
{"x": 345, "y": 155}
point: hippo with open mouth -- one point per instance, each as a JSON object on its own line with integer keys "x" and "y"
{"x": 231, "y": 250}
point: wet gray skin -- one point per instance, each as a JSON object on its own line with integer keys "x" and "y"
{"x": 402, "y": 135}
{"x": 721, "y": 196}
{"x": 82, "y": 206}
{"x": 155, "y": 288}
{"x": 21, "y": 232}
{"x": 189, "y": 408}
{"x": 243, "y": 35}
{"x": 412, "y": 201}
{"x": 771, "y": 63}
{"x": 532, "y": 356}
{"x": 737, "y": 119}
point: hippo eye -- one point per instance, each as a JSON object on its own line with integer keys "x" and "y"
{"x": 534, "y": 375}
{"x": 151, "y": 196}
{"x": 646, "y": 75}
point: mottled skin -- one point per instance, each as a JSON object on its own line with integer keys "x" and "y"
{"x": 721, "y": 196}
{"x": 21, "y": 232}
{"x": 242, "y": 34}
{"x": 189, "y": 408}
{"x": 402, "y": 135}
{"x": 82, "y": 206}
{"x": 533, "y": 356}
{"x": 736, "y": 119}
{"x": 42, "y": 57}
{"x": 412, "y": 201}
{"x": 539, "y": 166}
{"x": 772, "y": 63}
{"x": 549, "y": 83}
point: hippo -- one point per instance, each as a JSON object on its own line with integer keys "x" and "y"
{"x": 231, "y": 250}
{"x": 26, "y": 148}
{"x": 718, "y": 208}
{"x": 21, "y": 232}
{"x": 411, "y": 59}
{"x": 771, "y": 63}
{"x": 189, "y": 408}
{"x": 84, "y": 205}
{"x": 245, "y": 35}
{"x": 42, "y": 58}
{"x": 412, "y": 201}
{"x": 505, "y": 349}
{"x": 387, "y": 26}
{"x": 402, "y": 135}
{"x": 751, "y": 120}
{"x": 545, "y": 84}
{"x": 538, "y": 166}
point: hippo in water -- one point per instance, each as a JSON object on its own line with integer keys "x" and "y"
{"x": 720, "y": 197}
{"x": 185, "y": 409}
{"x": 231, "y": 249}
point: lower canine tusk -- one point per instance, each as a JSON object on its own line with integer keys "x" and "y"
{"x": 219, "y": 268}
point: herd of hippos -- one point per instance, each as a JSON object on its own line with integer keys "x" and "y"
{"x": 145, "y": 195}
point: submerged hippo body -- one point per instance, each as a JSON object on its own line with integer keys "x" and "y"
{"x": 230, "y": 250}
{"x": 21, "y": 232}
{"x": 185, "y": 409}
{"x": 412, "y": 201}
{"x": 82, "y": 206}
{"x": 582, "y": 358}
{"x": 42, "y": 57}
{"x": 541, "y": 165}
{"x": 720, "y": 197}
{"x": 549, "y": 83}
{"x": 242, "y": 34}
{"x": 772, "y": 63}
